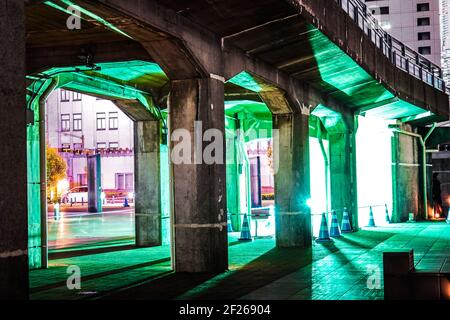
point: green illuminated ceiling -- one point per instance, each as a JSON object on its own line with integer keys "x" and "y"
{"x": 246, "y": 80}
{"x": 351, "y": 84}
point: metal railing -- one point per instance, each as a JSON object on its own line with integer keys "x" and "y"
{"x": 398, "y": 53}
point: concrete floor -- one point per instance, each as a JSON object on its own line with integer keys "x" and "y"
{"x": 257, "y": 270}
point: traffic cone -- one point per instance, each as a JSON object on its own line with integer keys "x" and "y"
{"x": 371, "y": 219}
{"x": 229, "y": 226}
{"x": 125, "y": 202}
{"x": 388, "y": 220}
{"x": 324, "y": 235}
{"x": 245, "y": 232}
{"x": 346, "y": 226}
{"x": 335, "y": 230}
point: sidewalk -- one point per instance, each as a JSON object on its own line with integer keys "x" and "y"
{"x": 257, "y": 270}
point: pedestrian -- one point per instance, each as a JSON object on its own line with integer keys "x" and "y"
{"x": 437, "y": 198}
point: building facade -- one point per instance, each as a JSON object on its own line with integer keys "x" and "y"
{"x": 80, "y": 125}
{"x": 416, "y": 23}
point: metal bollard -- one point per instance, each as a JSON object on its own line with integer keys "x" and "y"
{"x": 56, "y": 210}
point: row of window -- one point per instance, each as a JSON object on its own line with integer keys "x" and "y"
{"x": 421, "y": 7}
{"x": 67, "y": 95}
{"x": 124, "y": 181}
{"x": 100, "y": 145}
{"x": 77, "y": 118}
{"x": 113, "y": 120}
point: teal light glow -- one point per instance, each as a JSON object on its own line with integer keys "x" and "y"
{"x": 133, "y": 70}
{"x": 245, "y": 80}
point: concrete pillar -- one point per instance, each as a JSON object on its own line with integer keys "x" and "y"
{"x": 147, "y": 173}
{"x": 13, "y": 163}
{"x": 198, "y": 188}
{"x": 342, "y": 182}
{"x": 234, "y": 168}
{"x": 292, "y": 185}
{"x": 94, "y": 176}
{"x": 406, "y": 177}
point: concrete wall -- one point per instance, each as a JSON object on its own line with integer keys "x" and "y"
{"x": 13, "y": 163}
{"x": 406, "y": 176}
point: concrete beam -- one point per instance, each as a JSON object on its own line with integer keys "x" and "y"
{"x": 332, "y": 21}
{"x": 41, "y": 59}
{"x": 198, "y": 190}
{"x": 184, "y": 49}
{"x": 292, "y": 187}
{"x": 13, "y": 164}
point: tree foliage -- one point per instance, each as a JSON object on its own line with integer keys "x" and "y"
{"x": 56, "y": 168}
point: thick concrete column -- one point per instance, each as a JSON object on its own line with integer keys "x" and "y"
{"x": 13, "y": 163}
{"x": 198, "y": 188}
{"x": 147, "y": 173}
{"x": 292, "y": 185}
{"x": 342, "y": 183}
{"x": 406, "y": 177}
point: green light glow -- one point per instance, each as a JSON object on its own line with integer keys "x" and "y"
{"x": 127, "y": 71}
{"x": 87, "y": 13}
{"x": 245, "y": 80}
{"x": 354, "y": 85}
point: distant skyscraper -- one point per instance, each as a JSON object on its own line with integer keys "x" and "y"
{"x": 416, "y": 23}
{"x": 445, "y": 34}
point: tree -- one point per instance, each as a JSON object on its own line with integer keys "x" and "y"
{"x": 56, "y": 169}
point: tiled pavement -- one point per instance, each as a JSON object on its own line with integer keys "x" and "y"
{"x": 337, "y": 270}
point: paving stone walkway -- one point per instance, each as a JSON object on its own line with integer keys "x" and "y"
{"x": 257, "y": 270}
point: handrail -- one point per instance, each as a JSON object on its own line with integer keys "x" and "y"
{"x": 398, "y": 53}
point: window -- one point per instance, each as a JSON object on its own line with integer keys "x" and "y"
{"x": 423, "y": 21}
{"x": 384, "y": 10}
{"x": 101, "y": 145}
{"x": 65, "y": 147}
{"x": 101, "y": 121}
{"x": 65, "y": 122}
{"x": 77, "y": 122}
{"x": 124, "y": 181}
{"x": 65, "y": 95}
{"x": 424, "y": 36}
{"x": 113, "y": 121}
{"x": 129, "y": 181}
{"x": 120, "y": 181}
{"x": 78, "y": 146}
{"x": 425, "y": 50}
{"x": 423, "y": 7}
{"x": 77, "y": 96}
{"x": 82, "y": 179}
{"x": 114, "y": 145}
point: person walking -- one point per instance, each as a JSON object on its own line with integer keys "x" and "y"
{"x": 437, "y": 198}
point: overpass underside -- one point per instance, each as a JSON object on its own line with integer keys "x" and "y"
{"x": 309, "y": 63}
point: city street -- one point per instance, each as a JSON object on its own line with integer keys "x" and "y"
{"x": 78, "y": 229}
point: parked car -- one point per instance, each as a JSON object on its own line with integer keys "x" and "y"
{"x": 76, "y": 195}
